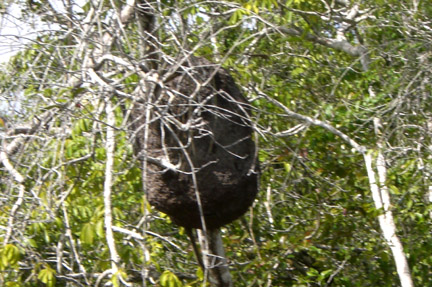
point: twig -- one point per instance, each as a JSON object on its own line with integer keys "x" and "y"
{"x": 72, "y": 245}
{"x": 338, "y": 270}
{"x": 138, "y": 236}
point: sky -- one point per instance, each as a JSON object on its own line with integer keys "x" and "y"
{"x": 14, "y": 34}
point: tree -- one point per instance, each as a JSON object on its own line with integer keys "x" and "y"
{"x": 341, "y": 98}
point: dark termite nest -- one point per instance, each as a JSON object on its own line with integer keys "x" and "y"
{"x": 195, "y": 136}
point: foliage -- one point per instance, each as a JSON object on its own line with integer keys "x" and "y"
{"x": 314, "y": 222}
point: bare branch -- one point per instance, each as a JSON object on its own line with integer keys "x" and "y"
{"x": 75, "y": 253}
{"x": 359, "y": 148}
{"x": 110, "y": 148}
{"x": 138, "y": 236}
{"x": 21, "y": 191}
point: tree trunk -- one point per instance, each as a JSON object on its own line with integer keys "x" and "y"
{"x": 215, "y": 262}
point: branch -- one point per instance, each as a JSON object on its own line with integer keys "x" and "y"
{"x": 359, "y": 148}
{"x": 73, "y": 246}
{"x": 340, "y": 45}
{"x": 138, "y": 236}
{"x": 109, "y": 166}
{"x": 40, "y": 121}
{"x": 20, "y": 180}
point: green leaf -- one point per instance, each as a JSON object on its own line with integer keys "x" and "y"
{"x": 32, "y": 242}
{"x": 100, "y": 230}
{"x": 200, "y": 274}
{"x": 87, "y": 234}
{"x": 312, "y": 272}
{"x": 169, "y": 279}
{"x": 12, "y": 253}
{"x": 297, "y": 71}
{"x": 47, "y": 276}
{"x": 115, "y": 280}
{"x": 287, "y": 167}
{"x": 13, "y": 284}
{"x": 9, "y": 255}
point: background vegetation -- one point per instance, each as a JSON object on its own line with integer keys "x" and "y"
{"x": 342, "y": 102}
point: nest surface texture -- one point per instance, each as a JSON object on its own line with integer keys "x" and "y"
{"x": 201, "y": 161}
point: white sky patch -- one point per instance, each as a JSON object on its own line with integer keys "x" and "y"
{"x": 58, "y": 6}
{"x": 15, "y": 34}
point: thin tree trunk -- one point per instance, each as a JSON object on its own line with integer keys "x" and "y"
{"x": 215, "y": 262}
{"x": 381, "y": 199}
{"x": 110, "y": 149}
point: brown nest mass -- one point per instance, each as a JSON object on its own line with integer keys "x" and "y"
{"x": 196, "y": 137}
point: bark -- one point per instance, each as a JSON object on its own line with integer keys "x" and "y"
{"x": 215, "y": 261}
{"x": 381, "y": 199}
